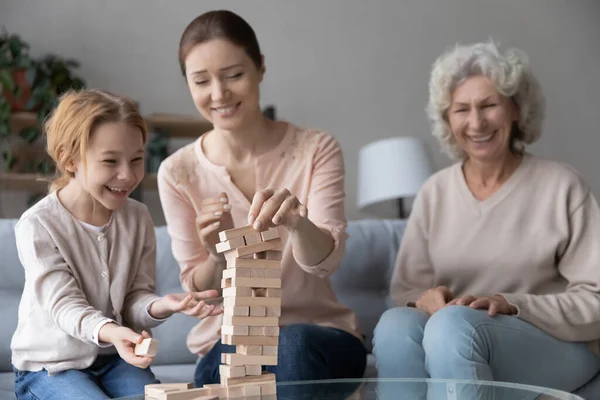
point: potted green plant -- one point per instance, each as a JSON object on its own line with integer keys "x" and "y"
{"x": 15, "y": 69}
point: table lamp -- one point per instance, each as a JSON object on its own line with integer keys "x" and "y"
{"x": 391, "y": 169}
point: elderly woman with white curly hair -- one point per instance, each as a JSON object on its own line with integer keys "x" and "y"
{"x": 498, "y": 274}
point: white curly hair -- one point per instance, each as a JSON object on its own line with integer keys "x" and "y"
{"x": 513, "y": 77}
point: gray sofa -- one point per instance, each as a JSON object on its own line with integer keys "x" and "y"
{"x": 362, "y": 283}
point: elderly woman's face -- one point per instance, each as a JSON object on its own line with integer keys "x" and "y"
{"x": 481, "y": 118}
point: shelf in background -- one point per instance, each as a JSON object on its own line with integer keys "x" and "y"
{"x": 39, "y": 183}
{"x": 172, "y": 125}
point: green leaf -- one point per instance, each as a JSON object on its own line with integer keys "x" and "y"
{"x": 29, "y": 134}
{"x": 6, "y": 79}
{"x": 15, "y": 45}
{"x": 9, "y": 161}
{"x": 73, "y": 63}
{"x": 18, "y": 91}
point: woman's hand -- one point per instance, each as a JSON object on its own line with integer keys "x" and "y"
{"x": 272, "y": 207}
{"x": 125, "y": 340}
{"x": 434, "y": 299}
{"x": 214, "y": 217}
{"x": 496, "y": 304}
{"x": 192, "y": 304}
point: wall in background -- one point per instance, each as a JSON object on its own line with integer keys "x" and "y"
{"x": 358, "y": 69}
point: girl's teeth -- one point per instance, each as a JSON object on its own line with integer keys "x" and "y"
{"x": 117, "y": 190}
{"x": 224, "y": 110}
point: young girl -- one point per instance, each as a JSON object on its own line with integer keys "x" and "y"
{"x": 89, "y": 256}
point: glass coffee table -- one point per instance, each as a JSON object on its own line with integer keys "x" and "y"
{"x": 408, "y": 389}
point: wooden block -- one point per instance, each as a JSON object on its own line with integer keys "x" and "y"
{"x": 267, "y": 389}
{"x": 189, "y": 394}
{"x": 252, "y": 282}
{"x": 259, "y": 312}
{"x": 147, "y": 348}
{"x": 250, "y": 321}
{"x": 270, "y": 311}
{"x": 252, "y": 301}
{"x": 269, "y": 292}
{"x": 253, "y": 248}
{"x": 270, "y": 350}
{"x": 216, "y": 389}
{"x": 252, "y": 391}
{"x": 250, "y": 340}
{"x": 264, "y": 273}
{"x": 240, "y": 359}
{"x": 234, "y": 392}
{"x": 268, "y": 255}
{"x": 235, "y": 330}
{"x": 263, "y": 330}
{"x": 248, "y": 350}
{"x": 265, "y": 377}
{"x": 253, "y": 238}
{"x": 242, "y": 273}
{"x": 237, "y": 292}
{"x": 253, "y": 370}
{"x": 241, "y": 311}
{"x": 270, "y": 234}
{"x": 230, "y": 244}
{"x": 253, "y": 263}
{"x": 267, "y": 396}
{"x": 168, "y": 386}
{"x": 232, "y": 372}
{"x": 236, "y": 232}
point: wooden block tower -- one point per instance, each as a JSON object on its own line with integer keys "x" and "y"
{"x": 252, "y": 306}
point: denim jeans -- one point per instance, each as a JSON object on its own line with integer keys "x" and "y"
{"x": 306, "y": 352}
{"x": 459, "y": 342}
{"x": 108, "y": 377}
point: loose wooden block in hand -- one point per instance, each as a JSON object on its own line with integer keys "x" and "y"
{"x": 147, "y": 348}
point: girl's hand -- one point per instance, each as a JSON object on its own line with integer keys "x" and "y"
{"x": 272, "y": 207}
{"x": 214, "y": 217}
{"x": 125, "y": 340}
{"x": 496, "y": 304}
{"x": 193, "y": 304}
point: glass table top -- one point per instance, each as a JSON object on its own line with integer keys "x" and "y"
{"x": 407, "y": 389}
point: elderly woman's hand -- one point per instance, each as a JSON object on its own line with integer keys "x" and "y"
{"x": 434, "y": 299}
{"x": 496, "y": 304}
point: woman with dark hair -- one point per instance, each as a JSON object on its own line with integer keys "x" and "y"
{"x": 252, "y": 170}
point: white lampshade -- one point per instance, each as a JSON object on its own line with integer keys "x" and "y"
{"x": 391, "y": 169}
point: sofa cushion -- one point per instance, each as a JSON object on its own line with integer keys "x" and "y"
{"x": 13, "y": 275}
{"x": 9, "y": 306}
{"x": 362, "y": 281}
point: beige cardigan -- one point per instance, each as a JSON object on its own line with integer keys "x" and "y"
{"x": 536, "y": 241}
{"x": 71, "y": 276}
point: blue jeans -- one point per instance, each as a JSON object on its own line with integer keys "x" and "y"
{"x": 459, "y": 342}
{"x": 306, "y": 352}
{"x": 108, "y": 377}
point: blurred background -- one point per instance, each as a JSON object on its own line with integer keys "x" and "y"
{"x": 358, "y": 69}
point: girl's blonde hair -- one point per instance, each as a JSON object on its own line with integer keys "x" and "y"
{"x": 69, "y": 127}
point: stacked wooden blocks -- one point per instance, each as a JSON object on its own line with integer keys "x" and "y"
{"x": 252, "y": 307}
